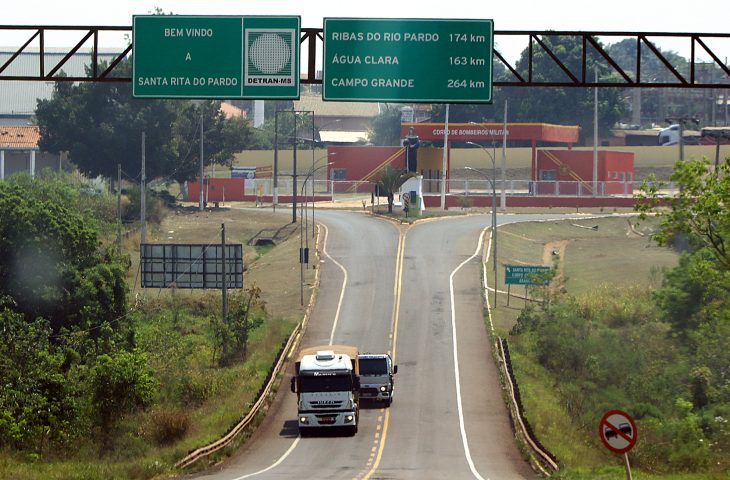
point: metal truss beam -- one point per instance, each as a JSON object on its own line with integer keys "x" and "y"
{"x": 529, "y": 75}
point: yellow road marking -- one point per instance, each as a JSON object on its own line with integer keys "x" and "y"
{"x": 394, "y": 339}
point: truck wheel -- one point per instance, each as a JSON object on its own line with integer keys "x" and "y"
{"x": 353, "y": 430}
{"x": 305, "y": 431}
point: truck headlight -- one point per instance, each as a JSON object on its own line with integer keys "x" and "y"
{"x": 303, "y": 419}
{"x": 349, "y": 418}
{"x": 383, "y": 388}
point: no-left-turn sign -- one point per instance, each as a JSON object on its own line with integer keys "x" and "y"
{"x": 617, "y": 431}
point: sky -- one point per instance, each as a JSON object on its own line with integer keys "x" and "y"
{"x": 708, "y": 16}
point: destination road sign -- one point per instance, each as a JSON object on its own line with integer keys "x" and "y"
{"x": 525, "y": 274}
{"x": 179, "y": 56}
{"x": 408, "y": 60}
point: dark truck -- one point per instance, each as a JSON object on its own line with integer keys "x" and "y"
{"x": 376, "y": 377}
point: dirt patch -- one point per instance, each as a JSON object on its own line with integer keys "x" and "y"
{"x": 551, "y": 251}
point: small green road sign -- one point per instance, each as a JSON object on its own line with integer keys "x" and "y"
{"x": 178, "y": 56}
{"x": 408, "y": 60}
{"x": 526, "y": 275}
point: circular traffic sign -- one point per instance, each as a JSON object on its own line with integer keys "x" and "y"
{"x": 617, "y": 431}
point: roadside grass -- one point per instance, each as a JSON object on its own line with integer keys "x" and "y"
{"x": 618, "y": 253}
{"x": 614, "y": 254}
{"x": 210, "y": 400}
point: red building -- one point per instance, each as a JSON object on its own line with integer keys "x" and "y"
{"x": 570, "y": 172}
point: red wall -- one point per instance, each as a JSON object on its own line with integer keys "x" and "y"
{"x": 613, "y": 167}
{"x": 485, "y": 201}
{"x": 232, "y": 188}
{"x": 361, "y": 163}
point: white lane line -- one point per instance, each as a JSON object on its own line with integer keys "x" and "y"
{"x": 334, "y": 326}
{"x": 276, "y": 464}
{"x": 344, "y": 284}
{"x": 456, "y": 361}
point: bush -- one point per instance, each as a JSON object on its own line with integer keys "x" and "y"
{"x": 194, "y": 388}
{"x": 464, "y": 201}
{"x": 169, "y": 426}
{"x": 154, "y": 207}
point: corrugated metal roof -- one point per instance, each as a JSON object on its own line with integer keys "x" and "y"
{"x": 20, "y": 98}
{"x": 343, "y": 137}
{"x": 336, "y": 109}
{"x": 19, "y": 137}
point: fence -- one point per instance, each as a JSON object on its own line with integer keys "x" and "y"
{"x": 344, "y": 190}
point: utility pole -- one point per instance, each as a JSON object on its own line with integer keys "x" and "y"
{"x": 275, "y": 197}
{"x": 119, "y": 208}
{"x": 595, "y": 135}
{"x": 443, "y": 161}
{"x": 225, "y": 273}
{"x": 143, "y": 198}
{"x": 201, "y": 203}
{"x": 294, "y": 174}
{"x": 504, "y": 158}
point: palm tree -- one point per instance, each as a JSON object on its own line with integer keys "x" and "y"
{"x": 390, "y": 180}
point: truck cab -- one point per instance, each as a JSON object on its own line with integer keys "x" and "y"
{"x": 668, "y": 136}
{"x": 376, "y": 377}
{"x": 327, "y": 385}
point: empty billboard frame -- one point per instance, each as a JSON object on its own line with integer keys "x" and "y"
{"x": 191, "y": 265}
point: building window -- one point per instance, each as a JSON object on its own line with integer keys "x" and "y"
{"x": 339, "y": 174}
{"x": 548, "y": 175}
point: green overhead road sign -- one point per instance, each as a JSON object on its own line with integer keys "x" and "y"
{"x": 408, "y": 60}
{"x": 178, "y": 56}
{"x": 525, "y": 275}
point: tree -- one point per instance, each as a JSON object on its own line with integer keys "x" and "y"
{"x": 390, "y": 180}
{"x": 51, "y": 262}
{"x": 700, "y": 209}
{"x": 101, "y": 125}
{"x": 231, "y": 337}
{"x": 694, "y": 295}
{"x": 385, "y": 128}
{"x": 36, "y": 402}
{"x": 222, "y": 138}
{"x": 659, "y": 103}
{"x": 566, "y": 106}
{"x": 120, "y": 382}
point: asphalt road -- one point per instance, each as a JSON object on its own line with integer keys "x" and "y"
{"x": 414, "y": 292}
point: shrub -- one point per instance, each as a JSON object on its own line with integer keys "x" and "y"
{"x": 169, "y": 426}
{"x": 464, "y": 201}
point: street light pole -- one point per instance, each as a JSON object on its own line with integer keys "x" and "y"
{"x": 503, "y": 200}
{"x": 303, "y": 234}
{"x": 494, "y": 211}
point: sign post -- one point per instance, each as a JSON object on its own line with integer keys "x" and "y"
{"x": 525, "y": 275}
{"x": 227, "y": 57}
{"x": 618, "y": 433}
{"x": 408, "y": 60}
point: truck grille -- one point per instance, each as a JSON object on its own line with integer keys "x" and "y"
{"x": 326, "y": 404}
{"x": 369, "y": 392}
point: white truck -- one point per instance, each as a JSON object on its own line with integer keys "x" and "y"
{"x": 327, "y": 383}
{"x": 669, "y": 136}
{"x": 376, "y": 377}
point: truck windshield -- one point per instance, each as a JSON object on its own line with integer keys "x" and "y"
{"x": 373, "y": 366}
{"x": 334, "y": 383}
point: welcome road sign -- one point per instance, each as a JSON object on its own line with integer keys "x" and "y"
{"x": 179, "y": 56}
{"x": 408, "y": 60}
